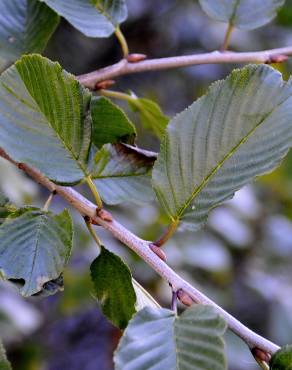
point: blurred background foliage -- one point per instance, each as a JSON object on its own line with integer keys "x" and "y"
{"x": 242, "y": 258}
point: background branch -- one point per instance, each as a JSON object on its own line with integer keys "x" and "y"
{"x": 141, "y": 247}
{"x": 124, "y": 67}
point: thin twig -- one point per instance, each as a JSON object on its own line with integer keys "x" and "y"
{"x": 141, "y": 247}
{"x": 124, "y": 67}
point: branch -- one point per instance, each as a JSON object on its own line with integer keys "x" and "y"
{"x": 141, "y": 247}
{"x": 125, "y": 67}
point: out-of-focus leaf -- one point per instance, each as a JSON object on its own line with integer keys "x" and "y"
{"x": 4, "y": 363}
{"x": 240, "y": 129}
{"x": 151, "y": 115}
{"x": 144, "y": 299}
{"x": 3, "y": 200}
{"x": 245, "y": 14}
{"x": 113, "y": 287}
{"x": 94, "y": 18}
{"x": 25, "y": 27}
{"x": 110, "y": 124}
{"x": 157, "y": 339}
{"x": 282, "y": 359}
{"x": 43, "y": 123}
{"x": 122, "y": 173}
{"x": 34, "y": 248}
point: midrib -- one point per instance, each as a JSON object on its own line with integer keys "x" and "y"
{"x": 221, "y": 163}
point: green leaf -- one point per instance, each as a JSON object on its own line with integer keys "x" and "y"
{"x": 110, "y": 124}
{"x": 151, "y": 115}
{"x": 113, "y": 287}
{"x": 157, "y": 339}
{"x": 244, "y": 14}
{"x": 122, "y": 173}
{"x": 94, "y": 18}
{"x": 43, "y": 123}
{"x": 240, "y": 129}
{"x": 4, "y": 363}
{"x": 144, "y": 298}
{"x": 282, "y": 359}
{"x": 3, "y": 200}
{"x": 34, "y": 248}
{"x": 25, "y": 27}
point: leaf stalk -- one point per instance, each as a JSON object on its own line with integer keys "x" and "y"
{"x": 94, "y": 191}
{"x": 123, "y": 42}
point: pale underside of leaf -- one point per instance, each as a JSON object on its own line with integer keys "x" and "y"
{"x": 94, "y": 18}
{"x": 25, "y": 27}
{"x": 122, "y": 173}
{"x": 239, "y": 130}
{"x": 245, "y": 14}
{"x": 34, "y": 248}
{"x": 43, "y": 121}
{"x": 144, "y": 298}
{"x": 156, "y": 339}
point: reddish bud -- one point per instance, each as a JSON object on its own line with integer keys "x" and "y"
{"x": 104, "y": 215}
{"x": 185, "y": 298}
{"x": 158, "y": 251}
{"x": 277, "y": 59}
{"x": 261, "y": 355}
{"x": 134, "y": 58}
{"x": 104, "y": 84}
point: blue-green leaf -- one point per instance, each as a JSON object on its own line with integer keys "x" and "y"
{"x": 25, "y": 27}
{"x": 245, "y": 14}
{"x": 158, "y": 340}
{"x": 94, "y": 18}
{"x": 123, "y": 173}
{"x": 240, "y": 129}
{"x": 34, "y": 248}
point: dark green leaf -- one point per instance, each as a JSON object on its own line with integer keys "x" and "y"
{"x": 25, "y": 27}
{"x": 110, "y": 124}
{"x": 94, "y": 18}
{"x": 43, "y": 123}
{"x": 158, "y": 340}
{"x": 122, "y": 173}
{"x": 151, "y": 115}
{"x": 282, "y": 359}
{"x": 4, "y": 363}
{"x": 34, "y": 248}
{"x": 113, "y": 287}
{"x": 245, "y": 14}
{"x": 240, "y": 129}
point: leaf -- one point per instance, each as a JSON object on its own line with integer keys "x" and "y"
{"x": 157, "y": 339}
{"x": 3, "y": 200}
{"x": 113, "y": 287}
{"x": 43, "y": 123}
{"x": 110, "y": 124}
{"x": 4, "y": 363}
{"x": 25, "y": 27}
{"x": 282, "y": 359}
{"x": 244, "y": 14}
{"x": 94, "y": 18}
{"x": 144, "y": 298}
{"x": 34, "y": 248}
{"x": 240, "y": 129}
{"x": 122, "y": 173}
{"x": 151, "y": 115}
